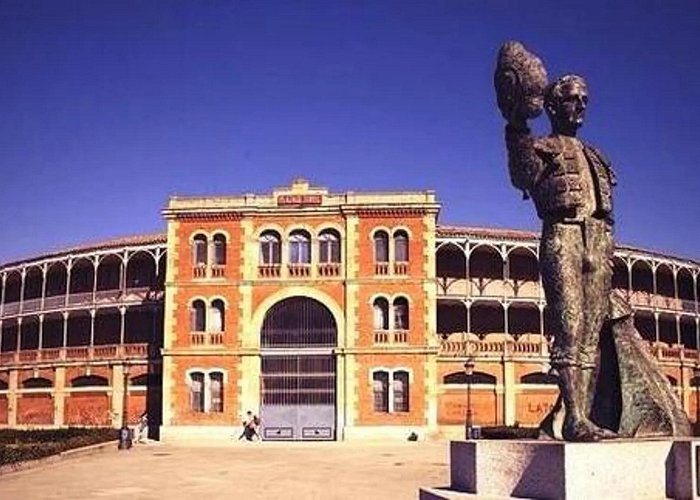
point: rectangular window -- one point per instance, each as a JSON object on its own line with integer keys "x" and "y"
{"x": 400, "y": 386}
{"x": 380, "y": 385}
{"x": 216, "y": 389}
{"x": 197, "y": 392}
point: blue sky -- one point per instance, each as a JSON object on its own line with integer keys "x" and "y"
{"x": 107, "y": 108}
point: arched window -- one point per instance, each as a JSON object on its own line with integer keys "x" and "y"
{"x": 197, "y": 391}
{"x": 139, "y": 380}
{"x": 270, "y": 248}
{"x": 381, "y": 246}
{"x": 299, "y": 247}
{"x": 328, "y": 247}
{"x": 380, "y": 389}
{"x": 400, "y": 386}
{"x": 401, "y": 246}
{"x": 381, "y": 313}
{"x": 216, "y": 392}
{"x": 198, "y": 321}
{"x": 89, "y": 381}
{"x": 37, "y": 383}
{"x": 400, "y": 313}
{"x": 455, "y": 378}
{"x": 199, "y": 250}
{"x": 219, "y": 244}
{"x": 217, "y": 316}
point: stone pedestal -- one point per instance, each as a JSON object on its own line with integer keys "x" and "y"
{"x": 660, "y": 468}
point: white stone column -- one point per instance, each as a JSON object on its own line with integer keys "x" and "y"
{"x": 122, "y": 323}
{"x": 65, "y": 328}
{"x": 41, "y": 331}
{"x": 509, "y": 395}
{"x": 13, "y": 387}
{"x": 93, "y": 313}
{"x": 19, "y": 333}
{"x": 59, "y": 399}
{"x": 21, "y": 288}
{"x": 68, "y": 274}
{"x": 117, "y": 395}
{"x": 43, "y": 284}
{"x": 656, "y": 324}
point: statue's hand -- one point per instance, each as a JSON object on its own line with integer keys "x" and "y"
{"x": 519, "y": 81}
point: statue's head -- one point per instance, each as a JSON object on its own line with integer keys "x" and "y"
{"x": 565, "y": 101}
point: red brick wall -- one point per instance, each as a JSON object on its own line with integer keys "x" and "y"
{"x": 23, "y": 375}
{"x": 487, "y": 407}
{"x": 73, "y": 372}
{"x": 3, "y": 409}
{"x": 532, "y": 406}
{"x": 136, "y": 405}
{"x": 88, "y": 408}
{"x": 35, "y": 409}
{"x": 182, "y": 414}
{"x": 415, "y": 364}
{"x": 416, "y": 242}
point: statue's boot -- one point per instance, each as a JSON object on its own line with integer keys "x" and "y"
{"x": 576, "y": 426}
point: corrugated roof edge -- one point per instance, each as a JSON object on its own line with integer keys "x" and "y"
{"x": 124, "y": 241}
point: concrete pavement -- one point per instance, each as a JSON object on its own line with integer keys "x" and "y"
{"x": 249, "y": 471}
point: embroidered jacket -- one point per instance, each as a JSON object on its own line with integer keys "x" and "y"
{"x": 551, "y": 172}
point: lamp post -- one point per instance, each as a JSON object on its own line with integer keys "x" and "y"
{"x": 696, "y": 383}
{"x": 124, "y": 432}
{"x": 469, "y": 371}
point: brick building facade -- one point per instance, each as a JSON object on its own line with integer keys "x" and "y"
{"x": 332, "y": 315}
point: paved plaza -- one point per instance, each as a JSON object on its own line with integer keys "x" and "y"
{"x": 345, "y": 470}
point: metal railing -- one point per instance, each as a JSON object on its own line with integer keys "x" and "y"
{"x": 76, "y": 353}
{"x": 86, "y": 299}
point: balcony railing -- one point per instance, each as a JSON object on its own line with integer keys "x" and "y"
{"x": 400, "y": 267}
{"x": 218, "y": 271}
{"x": 540, "y": 349}
{"x": 206, "y": 338}
{"x": 390, "y": 337}
{"x": 77, "y": 353}
{"x": 299, "y": 270}
{"x": 269, "y": 271}
{"x": 199, "y": 271}
{"x": 329, "y": 269}
{"x": 87, "y": 299}
{"x": 381, "y": 268}
{"x": 500, "y": 288}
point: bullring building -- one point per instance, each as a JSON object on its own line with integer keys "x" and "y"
{"x": 332, "y": 315}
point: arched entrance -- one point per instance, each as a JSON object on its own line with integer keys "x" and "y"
{"x": 298, "y": 377}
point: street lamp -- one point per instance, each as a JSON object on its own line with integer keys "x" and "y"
{"x": 124, "y": 432}
{"x": 469, "y": 371}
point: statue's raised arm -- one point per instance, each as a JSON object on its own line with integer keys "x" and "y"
{"x": 520, "y": 80}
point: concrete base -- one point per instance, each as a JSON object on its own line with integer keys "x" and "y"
{"x": 663, "y": 468}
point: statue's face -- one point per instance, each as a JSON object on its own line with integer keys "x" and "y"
{"x": 570, "y": 110}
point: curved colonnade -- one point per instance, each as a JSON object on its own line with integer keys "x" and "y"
{"x": 490, "y": 306}
{"x": 76, "y": 328}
